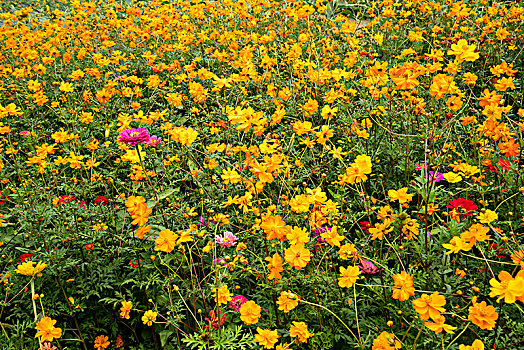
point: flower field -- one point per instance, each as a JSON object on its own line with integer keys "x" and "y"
{"x": 259, "y": 174}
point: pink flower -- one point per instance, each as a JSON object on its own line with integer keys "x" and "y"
{"x": 154, "y": 141}
{"x": 420, "y": 166}
{"x": 228, "y": 240}
{"x": 236, "y": 302}
{"x": 369, "y": 268}
{"x": 25, "y": 133}
{"x": 134, "y": 136}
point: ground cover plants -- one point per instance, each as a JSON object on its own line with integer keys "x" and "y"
{"x": 257, "y": 174}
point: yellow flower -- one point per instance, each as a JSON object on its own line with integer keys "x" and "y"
{"x": 287, "y": 301}
{"x": 297, "y": 256}
{"x": 477, "y": 345}
{"x": 401, "y": 195}
{"x": 149, "y": 317}
{"x": 463, "y": 51}
{"x": 349, "y": 276}
{"x": 386, "y": 341}
{"x": 46, "y": 330}
{"x": 509, "y": 288}
{"x": 452, "y": 177}
{"x": 166, "y": 241}
{"x": 488, "y": 216}
{"x": 455, "y": 245}
{"x": 439, "y": 326}
{"x": 28, "y": 268}
{"x": 250, "y": 312}
{"x": 430, "y": 306}
{"x": 222, "y": 295}
{"x": 125, "y": 309}
{"x": 403, "y": 286}
{"x": 266, "y": 338}
{"x": 332, "y": 237}
{"x": 299, "y": 329}
{"x": 518, "y": 257}
{"x": 483, "y": 315}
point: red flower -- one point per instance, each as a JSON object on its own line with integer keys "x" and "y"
{"x": 25, "y": 256}
{"x": 460, "y": 208}
{"x": 67, "y": 198}
{"x": 102, "y": 200}
{"x": 3, "y": 197}
{"x": 365, "y": 225}
{"x": 504, "y": 164}
{"x": 135, "y": 263}
{"x": 215, "y": 319}
{"x": 500, "y": 251}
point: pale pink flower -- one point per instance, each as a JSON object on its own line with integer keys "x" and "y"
{"x": 228, "y": 240}
{"x": 154, "y": 141}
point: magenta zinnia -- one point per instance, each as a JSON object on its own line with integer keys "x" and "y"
{"x": 134, "y": 136}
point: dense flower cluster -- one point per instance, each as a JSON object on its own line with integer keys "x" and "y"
{"x": 294, "y": 174}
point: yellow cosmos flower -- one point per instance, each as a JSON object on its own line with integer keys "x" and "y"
{"x": 266, "y": 338}
{"x": 28, "y": 268}
{"x": 47, "y": 330}
{"x": 348, "y": 276}
{"x": 488, "y": 216}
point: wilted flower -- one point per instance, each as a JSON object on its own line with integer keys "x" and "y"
{"x": 134, "y": 136}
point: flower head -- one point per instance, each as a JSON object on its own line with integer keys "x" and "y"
{"x": 28, "y": 268}
{"x": 250, "y": 312}
{"x": 266, "y": 338}
{"x": 154, "y": 141}
{"x": 299, "y": 329}
{"x": 236, "y": 302}
{"x": 149, "y": 317}
{"x": 101, "y": 342}
{"x": 47, "y": 330}
{"x": 228, "y": 239}
{"x": 483, "y": 315}
{"x": 134, "y": 136}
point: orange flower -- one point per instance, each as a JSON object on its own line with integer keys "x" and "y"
{"x": 299, "y": 329}
{"x": 266, "y": 338}
{"x": 477, "y": 345}
{"x": 430, "y": 306}
{"x": 349, "y": 276}
{"x": 250, "y": 312}
{"x": 222, "y": 295}
{"x": 125, "y": 309}
{"x": 483, "y": 315}
{"x": 101, "y": 342}
{"x": 403, "y": 286}
{"x": 297, "y": 256}
{"x": 463, "y": 51}
{"x": 386, "y": 341}
{"x": 166, "y": 241}
{"x": 509, "y": 288}
{"x": 439, "y": 325}
{"x": 46, "y": 330}
{"x": 287, "y": 301}
{"x": 274, "y": 266}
